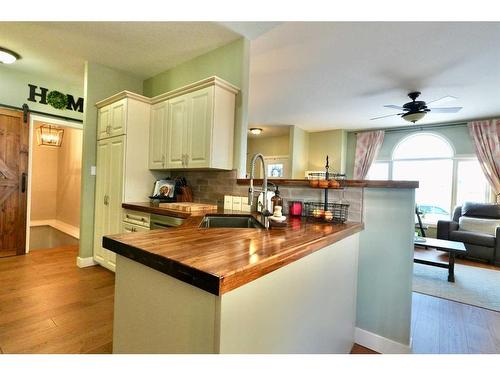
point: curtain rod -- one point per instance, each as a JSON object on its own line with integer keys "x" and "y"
{"x": 415, "y": 127}
{"x": 25, "y": 108}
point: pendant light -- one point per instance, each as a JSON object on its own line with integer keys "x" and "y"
{"x": 48, "y": 135}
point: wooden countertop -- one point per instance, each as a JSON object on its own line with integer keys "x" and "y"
{"x": 390, "y": 184}
{"x": 219, "y": 260}
{"x": 150, "y": 208}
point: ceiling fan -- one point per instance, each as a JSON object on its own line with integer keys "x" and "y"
{"x": 417, "y": 109}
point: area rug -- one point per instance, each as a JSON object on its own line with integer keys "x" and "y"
{"x": 474, "y": 286}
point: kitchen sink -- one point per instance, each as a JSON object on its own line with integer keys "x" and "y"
{"x": 219, "y": 221}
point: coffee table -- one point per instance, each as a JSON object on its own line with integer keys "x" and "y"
{"x": 452, "y": 247}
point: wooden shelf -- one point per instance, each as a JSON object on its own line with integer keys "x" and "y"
{"x": 389, "y": 184}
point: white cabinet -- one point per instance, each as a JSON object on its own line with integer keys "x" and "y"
{"x": 122, "y": 166}
{"x": 199, "y": 123}
{"x": 177, "y": 132}
{"x": 158, "y": 135}
{"x": 109, "y": 186}
{"x": 112, "y": 120}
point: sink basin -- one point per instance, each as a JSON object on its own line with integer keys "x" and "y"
{"x": 243, "y": 221}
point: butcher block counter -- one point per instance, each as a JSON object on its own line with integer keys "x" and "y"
{"x": 230, "y": 290}
{"x": 221, "y": 259}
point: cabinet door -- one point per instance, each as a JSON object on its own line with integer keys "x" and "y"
{"x": 118, "y": 118}
{"x": 115, "y": 192}
{"x": 104, "y": 122}
{"x": 199, "y": 134}
{"x": 176, "y": 131}
{"x": 108, "y": 199}
{"x": 101, "y": 222}
{"x": 157, "y": 136}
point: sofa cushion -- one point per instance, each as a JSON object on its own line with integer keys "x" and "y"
{"x": 473, "y": 238}
{"x": 474, "y": 224}
{"x": 484, "y": 210}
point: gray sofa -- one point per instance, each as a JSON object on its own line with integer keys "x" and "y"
{"x": 480, "y": 246}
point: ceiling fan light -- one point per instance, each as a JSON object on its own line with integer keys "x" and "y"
{"x": 414, "y": 116}
{"x": 7, "y": 56}
{"x": 255, "y": 131}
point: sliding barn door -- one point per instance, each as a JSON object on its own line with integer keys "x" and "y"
{"x": 13, "y": 182}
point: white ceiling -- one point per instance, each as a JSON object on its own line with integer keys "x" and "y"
{"x": 339, "y": 75}
{"x": 143, "y": 49}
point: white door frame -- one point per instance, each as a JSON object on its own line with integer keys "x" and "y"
{"x": 53, "y": 121}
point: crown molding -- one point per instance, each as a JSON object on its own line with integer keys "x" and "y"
{"x": 122, "y": 95}
{"x": 207, "y": 82}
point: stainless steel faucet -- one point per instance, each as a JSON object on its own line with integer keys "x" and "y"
{"x": 265, "y": 212}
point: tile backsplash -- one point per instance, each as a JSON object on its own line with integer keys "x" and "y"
{"x": 212, "y": 186}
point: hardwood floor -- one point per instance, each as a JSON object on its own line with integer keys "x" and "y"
{"x": 448, "y": 327}
{"x": 49, "y": 305}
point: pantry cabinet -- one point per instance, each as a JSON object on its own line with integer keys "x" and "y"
{"x": 122, "y": 173}
{"x": 197, "y": 127}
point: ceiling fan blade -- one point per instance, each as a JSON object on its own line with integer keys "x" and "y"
{"x": 393, "y": 106}
{"x": 394, "y": 114}
{"x": 445, "y": 110}
{"x": 444, "y": 99}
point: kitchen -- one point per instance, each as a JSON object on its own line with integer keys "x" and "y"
{"x": 215, "y": 270}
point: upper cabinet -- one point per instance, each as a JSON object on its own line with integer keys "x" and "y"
{"x": 193, "y": 127}
{"x": 112, "y": 120}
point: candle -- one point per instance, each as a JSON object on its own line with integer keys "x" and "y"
{"x": 295, "y": 208}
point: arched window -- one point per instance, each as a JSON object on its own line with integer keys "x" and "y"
{"x": 445, "y": 179}
{"x": 422, "y": 146}
{"x": 427, "y": 158}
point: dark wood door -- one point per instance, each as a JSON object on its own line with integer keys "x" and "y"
{"x": 13, "y": 182}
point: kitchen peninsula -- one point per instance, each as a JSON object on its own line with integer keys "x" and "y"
{"x": 301, "y": 289}
{"x": 227, "y": 290}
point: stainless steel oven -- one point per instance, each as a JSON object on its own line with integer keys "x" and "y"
{"x": 161, "y": 221}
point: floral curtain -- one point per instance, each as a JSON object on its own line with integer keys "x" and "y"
{"x": 367, "y": 147}
{"x": 486, "y": 139}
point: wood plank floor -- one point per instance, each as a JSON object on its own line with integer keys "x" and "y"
{"x": 49, "y": 305}
{"x": 448, "y": 327}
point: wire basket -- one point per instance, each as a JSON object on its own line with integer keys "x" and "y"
{"x": 334, "y": 213}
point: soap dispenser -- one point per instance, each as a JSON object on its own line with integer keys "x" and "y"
{"x": 276, "y": 200}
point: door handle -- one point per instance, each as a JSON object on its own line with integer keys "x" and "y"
{"x": 24, "y": 178}
{"x": 106, "y": 199}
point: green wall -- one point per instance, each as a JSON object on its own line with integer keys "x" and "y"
{"x": 331, "y": 143}
{"x": 100, "y": 83}
{"x": 457, "y": 135}
{"x": 231, "y": 63}
{"x": 14, "y": 90}
{"x": 299, "y": 146}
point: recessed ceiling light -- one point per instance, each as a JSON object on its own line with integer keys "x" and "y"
{"x": 7, "y": 56}
{"x": 255, "y": 131}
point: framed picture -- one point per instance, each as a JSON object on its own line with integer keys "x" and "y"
{"x": 164, "y": 189}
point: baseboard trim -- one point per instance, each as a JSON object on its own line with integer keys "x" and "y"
{"x": 85, "y": 262}
{"x": 59, "y": 225}
{"x": 378, "y": 343}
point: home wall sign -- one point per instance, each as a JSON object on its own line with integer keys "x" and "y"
{"x": 54, "y": 98}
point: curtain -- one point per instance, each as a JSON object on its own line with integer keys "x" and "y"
{"x": 485, "y": 137}
{"x": 367, "y": 147}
